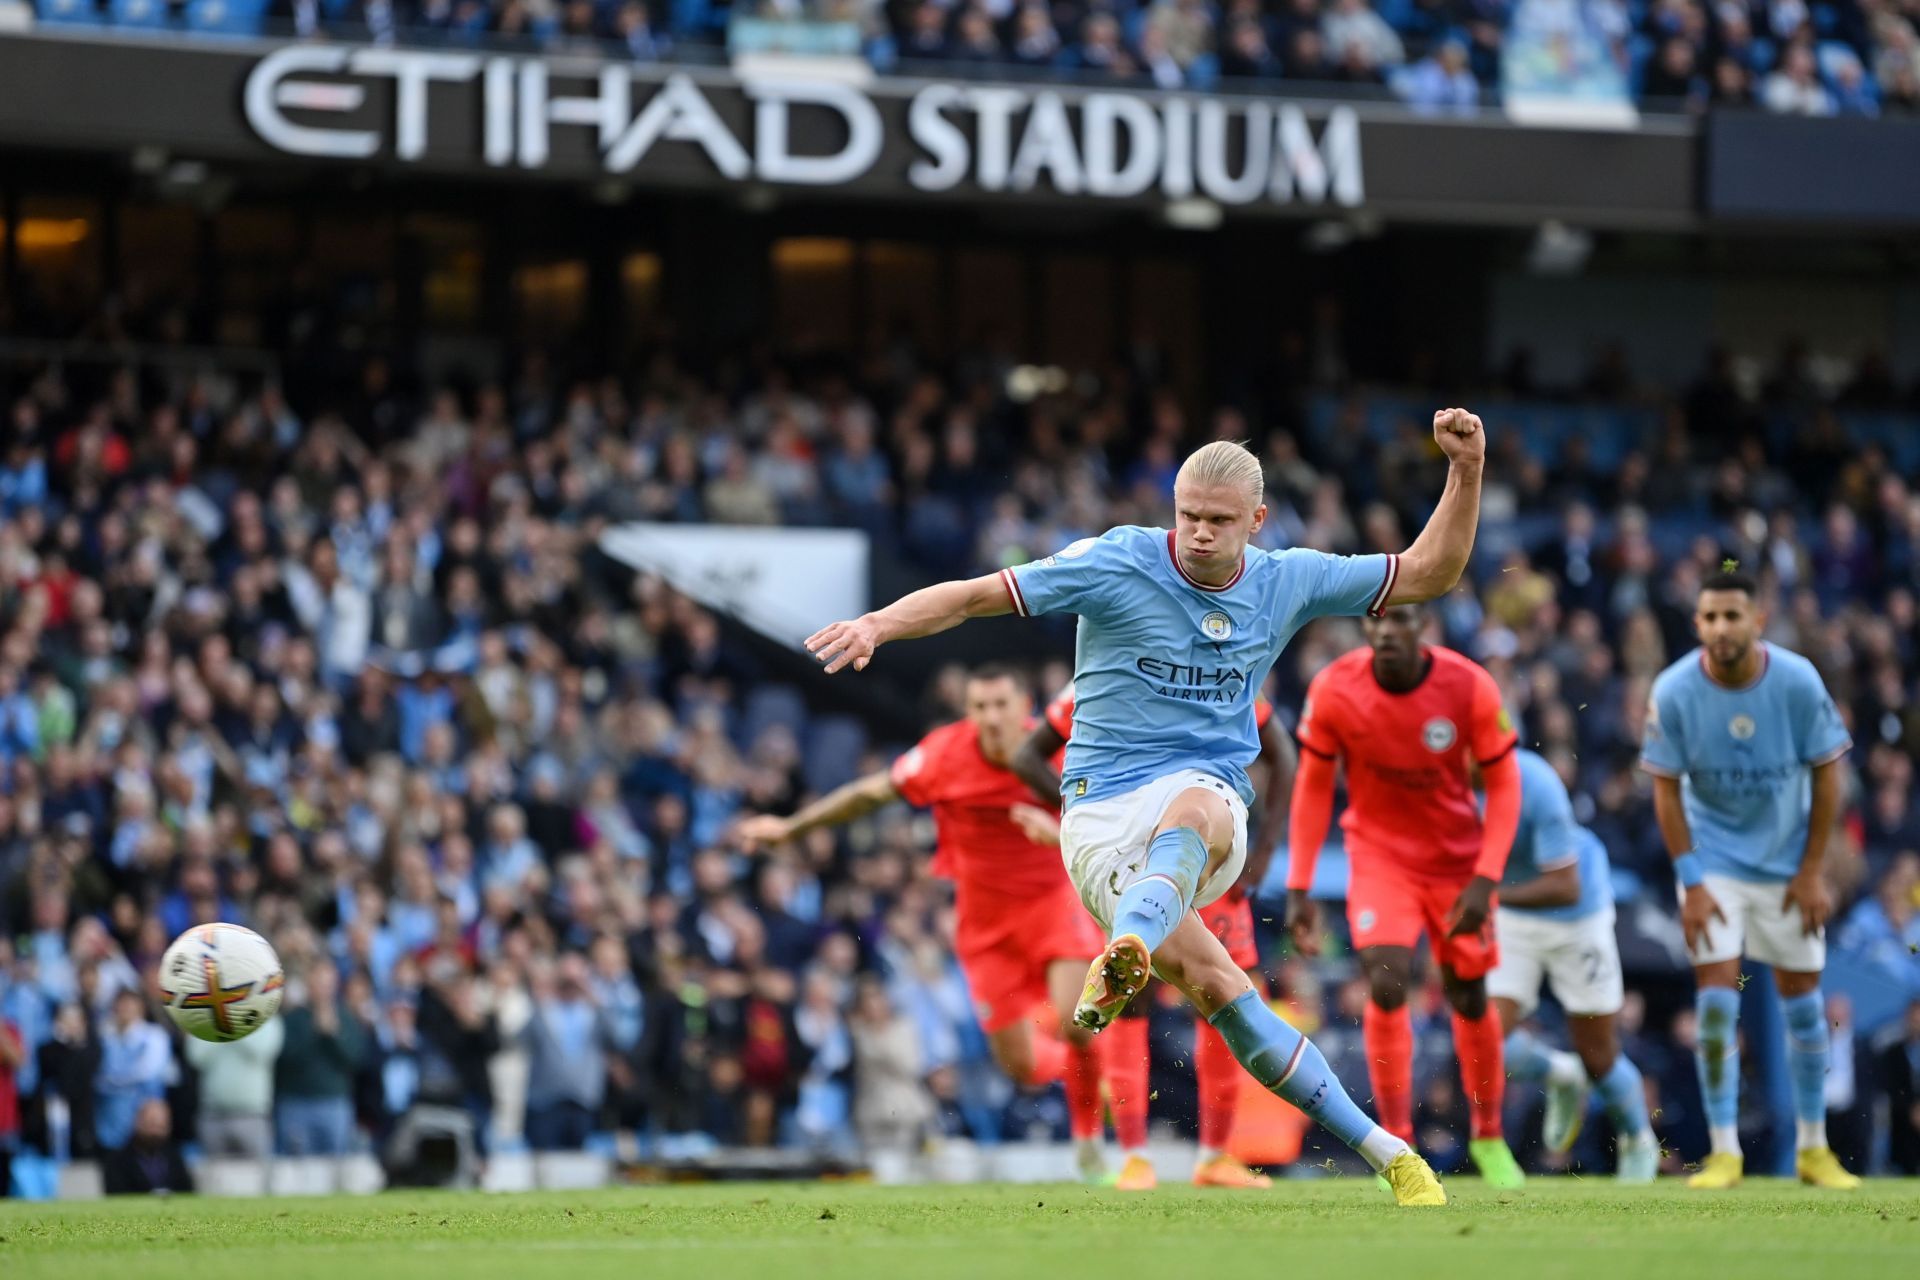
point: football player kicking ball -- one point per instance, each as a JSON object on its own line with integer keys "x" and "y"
{"x": 1178, "y": 629}
{"x": 1413, "y": 723}
{"x": 1555, "y": 922}
{"x": 1744, "y": 746}
{"x": 1022, "y": 938}
{"x": 1230, "y": 917}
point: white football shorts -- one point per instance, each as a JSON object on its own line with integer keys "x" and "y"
{"x": 1104, "y": 842}
{"x": 1756, "y": 925}
{"x": 1579, "y": 959}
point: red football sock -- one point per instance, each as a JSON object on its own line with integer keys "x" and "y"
{"x": 1082, "y": 1082}
{"x": 1389, "y": 1040}
{"x": 1483, "y": 1069}
{"x": 1049, "y": 1059}
{"x": 1123, "y": 1048}
{"x": 1217, "y": 1073}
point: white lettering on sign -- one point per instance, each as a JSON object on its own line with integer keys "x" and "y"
{"x": 314, "y": 101}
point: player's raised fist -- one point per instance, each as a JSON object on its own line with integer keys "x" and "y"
{"x": 843, "y": 644}
{"x": 1460, "y": 435}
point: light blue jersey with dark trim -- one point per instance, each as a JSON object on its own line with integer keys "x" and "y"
{"x": 1166, "y": 669}
{"x": 1548, "y": 838}
{"x": 1744, "y": 758}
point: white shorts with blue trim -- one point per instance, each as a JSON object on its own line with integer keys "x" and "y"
{"x": 1104, "y": 842}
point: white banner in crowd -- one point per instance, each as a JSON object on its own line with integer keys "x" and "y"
{"x": 784, "y": 583}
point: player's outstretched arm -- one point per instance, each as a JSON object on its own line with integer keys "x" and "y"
{"x": 1433, "y": 564}
{"x": 1032, "y": 762}
{"x": 925, "y": 612}
{"x": 842, "y": 804}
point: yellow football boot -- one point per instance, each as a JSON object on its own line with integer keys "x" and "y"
{"x": 1719, "y": 1172}
{"x": 1819, "y": 1167}
{"x": 1116, "y": 977}
{"x": 1412, "y": 1182}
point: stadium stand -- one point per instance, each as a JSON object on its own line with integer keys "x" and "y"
{"x": 1835, "y": 57}
{"x": 348, "y": 669}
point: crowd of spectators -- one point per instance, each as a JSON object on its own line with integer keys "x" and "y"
{"x": 348, "y": 668}
{"x": 1811, "y": 57}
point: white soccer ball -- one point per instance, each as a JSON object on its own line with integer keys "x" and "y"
{"x": 222, "y": 982}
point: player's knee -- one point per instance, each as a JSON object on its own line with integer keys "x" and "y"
{"x": 1018, "y": 1064}
{"x": 1387, "y": 984}
{"x": 1468, "y": 996}
{"x": 1791, "y": 984}
{"x": 1597, "y": 1059}
{"x": 1203, "y": 812}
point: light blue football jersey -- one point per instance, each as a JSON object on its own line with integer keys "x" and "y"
{"x": 1549, "y": 838}
{"x": 1744, "y": 758}
{"x": 1166, "y": 669}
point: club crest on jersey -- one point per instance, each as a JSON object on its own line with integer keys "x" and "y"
{"x": 1217, "y": 626}
{"x": 1438, "y": 734}
{"x": 1366, "y": 919}
{"x": 1741, "y": 727}
{"x": 1074, "y": 550}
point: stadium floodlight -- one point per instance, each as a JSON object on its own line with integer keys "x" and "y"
{"x": 1193, "y": 214}
{"x": 1559, "y": 250}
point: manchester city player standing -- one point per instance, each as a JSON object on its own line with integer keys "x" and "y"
{"x": 1178, "y": 629}
{"x": 1744, "y": 746}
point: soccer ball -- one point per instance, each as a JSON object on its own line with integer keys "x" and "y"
{"x": 222, "y": 982}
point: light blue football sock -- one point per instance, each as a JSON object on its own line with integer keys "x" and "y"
{"x": 1526, "y": 1057}
{"x": 1287, "y": 1063}
{"x": 1625, "y": 1098}
{"x": 1160, "y": 895}
{"x": 1807, "y": 1052}
{"x": 1717, "y": 1056}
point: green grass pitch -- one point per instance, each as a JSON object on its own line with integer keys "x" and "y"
{"x": 1335, "y": 1228}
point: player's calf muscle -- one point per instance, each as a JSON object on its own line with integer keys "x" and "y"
{"x": 1194, "y": 961}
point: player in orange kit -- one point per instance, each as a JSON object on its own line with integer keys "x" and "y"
{"x": 1024, "y": 939}
{"x": 1414, "y": 723}
{"x": 1216, "y": 1072}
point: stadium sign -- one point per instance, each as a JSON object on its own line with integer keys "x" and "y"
{"x": 311, "y": 101}
{"x": 467, "y": 114}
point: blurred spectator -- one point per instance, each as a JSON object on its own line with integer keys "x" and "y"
{"x": 314, "y": 1085}
{"x": 1675, "y": 73}
{"x": 136, "y": 1066}
{"x": 1357, "y": 35}
{"x": 1853, "y": 94}
{"x": 1035, "y": 41}
{"x": 1900, "y": 1073}
{"x": 236, "y": 1091}
{"x": 893, "y": 1110}
{"x": 1794, "y": 88}
{"x": 1441, "y": 84}
{"x": 1732, "y": 84}
{"x": 973, "y": 41}
{"x": 1247, "y": 55}
{"x": 1186, "y": 27}
{"x": 150, "y": 1162}
{"x": 1098, "y": 48}
{"x": 568, "y": 1039}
